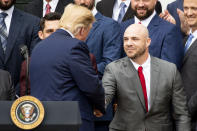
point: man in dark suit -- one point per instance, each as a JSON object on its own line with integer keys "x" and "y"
{"x": 38, "y": 7}
{"x": 21, "y": 28}
{"x": 6, "y": 88}
{"x": 149, "y": 91}
{"x": 166, "y": 39}
{"x": 111, "y": 8}
{"x": 189, "y": 67}
{"x": 48, "y": 24}
{"x": 104, "y": 43}
{"x": 60, "y": 67}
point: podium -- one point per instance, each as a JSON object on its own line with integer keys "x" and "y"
{"x": 59, "y": 116}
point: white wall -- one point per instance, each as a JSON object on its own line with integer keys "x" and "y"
{"x": 164, "y": 3}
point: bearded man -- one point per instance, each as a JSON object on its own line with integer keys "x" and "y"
{"x": 16, "y": 28}
{"x": 149, "y": 91}
{"x": 166, "y": 38}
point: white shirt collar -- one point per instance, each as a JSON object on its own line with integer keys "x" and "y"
{"x": 94, "y": 11}
{"x": 52, "y": 3}
{"x": 9, "y": 11}
{"x": 145, "y": 65}
{"x": 146, "y": 21}
{"x": 8, "y": 18}
{"x": 70, "y": 33}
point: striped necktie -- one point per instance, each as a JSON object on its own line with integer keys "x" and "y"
{"x": 122, "y": 11}
{"x": 3, "y": 30}
{"x": 188, "y": 43}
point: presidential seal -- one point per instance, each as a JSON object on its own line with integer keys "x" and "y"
{"x": 27, "y": 112}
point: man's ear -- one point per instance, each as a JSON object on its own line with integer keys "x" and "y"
{"x": 40, "y": 34}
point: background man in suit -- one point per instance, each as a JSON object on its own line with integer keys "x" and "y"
{"x": 60, "y": 67}
{"x": 189, "y": 67}
{"x": 48, "y": 24}
{"x": 147, "y": 88}
{"x": 6, "y": 88}
{"x": 17, "y": 28}
{"x": 41, "y": 7}
{"x": 118, "y": 11}
{"x": 166, "y": 39}
{"x": 104, "y": 43}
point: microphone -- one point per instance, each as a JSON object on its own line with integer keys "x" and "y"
{"x": 25, "y": 53}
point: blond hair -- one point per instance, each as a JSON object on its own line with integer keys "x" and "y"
{"x": 76, "y": 17}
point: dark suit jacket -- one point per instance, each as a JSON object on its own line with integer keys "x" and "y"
{"x": 166, "y": 93}
{"x": 61, "y": 70}
{"x": 36, "y": 7}
{"x": 189, "y": 76}
{"x": 23, "y": 30}
{"x": 23, "y": 90}
{"x": 166, "y": 40}
{"x": 105, "y": 7}
{"x": 172, "y": 8}
{"x": 104, "y": 42}
{"x": 6, "y": 88}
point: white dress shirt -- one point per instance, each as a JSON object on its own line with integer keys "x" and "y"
{"x": 116, "y": 9}
{"x": 146, "y": 72}
{"x": 146, "y": 21}
{"x": 94, "y": 11}
{"x": 195, "y": 37}
{"x": 8, "y": 18}
{"x": 52, "y": 3}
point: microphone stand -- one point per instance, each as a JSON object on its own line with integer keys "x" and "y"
{"x": 27, "y": 72}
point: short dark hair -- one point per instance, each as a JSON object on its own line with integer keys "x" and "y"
{"x": 49, "y": 17}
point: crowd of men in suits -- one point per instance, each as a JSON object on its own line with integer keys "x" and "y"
{"x": 125, "y": 53}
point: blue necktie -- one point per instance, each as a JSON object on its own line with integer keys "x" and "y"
{"x": 122, "y": 11}
{"x": 188, "y": 43}
{"x": 3, "y": 30}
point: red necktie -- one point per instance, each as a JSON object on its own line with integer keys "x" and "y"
{"x": 139, "y": 22}
{"x": 142, "y": 80}
{"x": 48, "y": 8}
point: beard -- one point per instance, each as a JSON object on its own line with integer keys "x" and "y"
{"x": 149, "y": 12}
{"x": 138, "y": 53}
{"x": 7, "y": 5}
{"x": 90, "y": 7}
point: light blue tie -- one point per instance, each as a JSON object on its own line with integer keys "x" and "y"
{"x": 3, "y": 30}
{"x": 122, "y": 11}
{"x": 188, "y": 43}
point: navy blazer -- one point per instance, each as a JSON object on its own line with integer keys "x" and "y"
{"x": 166, "y": 40}
{"x": 104, "y": 42}
{"x": 23, "y": 30}
{"x": 61, "y": 70}
{"x": 172, "y": 8}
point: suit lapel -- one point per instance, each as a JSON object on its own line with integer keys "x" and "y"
{"x": 135, "y": 81}
{"x": 15, "y": 27}
{"x": 153, "y": 25}
{"x": 192, "y": 48}
{"x": 110, "y": 6}
{"x": 60, "y": 6}
{"x": 129, "y": 14}
{"x": 95, "y": 25}
{"x": 154, "y": 75}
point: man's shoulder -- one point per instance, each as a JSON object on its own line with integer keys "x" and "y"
{"x": 163, "y": 64}
{"x": 105, "y": 20}
{"x": 118, "y": 63}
